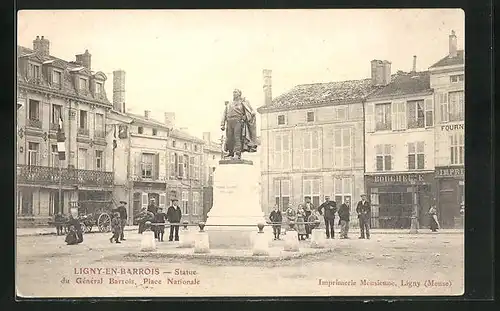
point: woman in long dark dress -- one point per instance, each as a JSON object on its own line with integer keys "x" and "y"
{"x": 434, "y": 224}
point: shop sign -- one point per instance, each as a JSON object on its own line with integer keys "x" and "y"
{"x": 452, "y": 127}
{"x": 443, "y": 172}
{"x": 399, "y": 178}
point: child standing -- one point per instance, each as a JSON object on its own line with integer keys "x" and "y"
{"x": 116, "y": 228}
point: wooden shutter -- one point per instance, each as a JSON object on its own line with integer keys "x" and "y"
{"x": 138, "y": 169}
{"x": 370, "y": 117}
{"x": 443, "y": 104}
{"x": 315, "y": 149}
{"x": 429, "y": 113}
{"x": 329, "y": 150}
{"x": 156, "y": 167}
{"x": 144, "y": 200}
{"x": 402, "y": 115}
{"x": 163, "y": 200}
{"x": 393, "y": 149}
{"x": 191, "y": 168}
{"x": 394, "y": 116}
{"x": 286, "y": 151}
{"x": 297, "y": 147}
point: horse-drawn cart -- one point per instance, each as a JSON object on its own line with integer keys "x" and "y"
{"x": 94, "y": 213}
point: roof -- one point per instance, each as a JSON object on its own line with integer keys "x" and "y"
{"x": 451, "y": 61}
{"x": 140, "y": 119}
{"x": 321, "y": 94}
{"x": 404, "y": 83}
{"x": 67, "y": 85}
{"x": 176, "y": 133}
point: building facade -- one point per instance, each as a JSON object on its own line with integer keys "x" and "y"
{"x": 50, "y": 90}
{"x": 212, "y": 154}
{"x": 448, "y": 81}
{"x": 312, "y": 143}
{"x": 399, "y": 148}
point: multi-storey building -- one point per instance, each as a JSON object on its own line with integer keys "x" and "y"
{"x": 212, "y": 153}
{"x": 447, "y": 80}
{"x": 50, "y": 89}
{"x": 399, "y": 147}
{"x": 312, "y": 142}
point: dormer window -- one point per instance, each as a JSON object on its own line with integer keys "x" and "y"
{"x": 56, "y": 77}
{"x": 83, "y": 84}
{"x": 34, "y": 72}
{"x": 456, "y": 78}
{"x": 281, "y": 119}
{"x": 98, "y": 88}
{"x": 310, "y": 116}
{"x": 155, "y": 132}
{"x": 140, "y": 130}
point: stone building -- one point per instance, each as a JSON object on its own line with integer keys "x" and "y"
{"x": 50, "y": 89}
{"x": 312, "y": 142}
{"x": 212, "y": 154}
{"x": 399, "y": 147}
{"x": 447, "y": 79}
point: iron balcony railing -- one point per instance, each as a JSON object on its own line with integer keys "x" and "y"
{"x": 99, "y": 134}
{"x": 34, "y": 123}
{"x": 28, "y": 174}
{"x": 83, "y": 131}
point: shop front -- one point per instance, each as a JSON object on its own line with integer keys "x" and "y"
{"x": 143, "y": 193}
{"x": 451, "y": 195}
{"x": 396, "y": 197}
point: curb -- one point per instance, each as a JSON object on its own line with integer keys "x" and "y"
{"x": 54, "y": 233}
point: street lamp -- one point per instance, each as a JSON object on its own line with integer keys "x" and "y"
{"x": 414, "y": 214}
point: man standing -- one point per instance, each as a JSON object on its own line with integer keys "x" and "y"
{"x": 238, "y": 121}
{"x": 344, "y": 213}
{"x": 153, "y": 208}
{"x": 330, "y": 208}
{"x": 276, "y": 218}
{"x": 363, "y": 209}
{"x": 174, "y": 215}
{"x": 122, "y": 210}
{"x": 308, "y": 208}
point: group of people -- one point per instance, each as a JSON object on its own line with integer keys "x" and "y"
{"x": 153, "y": 218}
{"x": 306, "y": 218}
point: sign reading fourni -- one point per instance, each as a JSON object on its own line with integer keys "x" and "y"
{"x": 452, "y": 127}
{"x": 397, "y": 178}
{"x": 443, "y": 172}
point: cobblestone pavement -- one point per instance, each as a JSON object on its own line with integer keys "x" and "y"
{"x": 395, "y": 264}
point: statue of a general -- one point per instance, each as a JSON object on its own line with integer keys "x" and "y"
{"x": 240, "y": 125}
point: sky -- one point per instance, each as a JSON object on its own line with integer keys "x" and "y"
{"x": 189, "y": 62}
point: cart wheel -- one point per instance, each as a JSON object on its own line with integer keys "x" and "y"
{"x": 104, "y": 223}
{"x": 84, "y": 227}
{"x": 90, "y": 228}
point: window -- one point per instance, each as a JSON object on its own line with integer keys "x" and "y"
{"x": 342, "y": 147}
{"x": 383, "y": 117}
{"x": 282, "y": 151}
{"x": 140, "y": 130}
{"x": 191, "y": 167}
{"x": 311, "y": 149}
{"x": 98, "y": 160}
{"x": 83, "y": 84}
{"x": 56, "y": 77}
{"x": 173, "y": 165}
{"x": 34, "y": 72}
{"x": 282, "y": 193}
{"x": 155, "y": 132}
{"x": 54, "y": 156}
{"x": 416, "y": 114}
{"x": 457, "y": 78}
{"x": 443, "y": 103}
{"x": 429, "y": 113}
{"x": 281, "y": 119}
{"x": 99, "y": 125}
{"x": 185, "y": 146}
{"x": 147, "y": 165}
{"x": 195, "y": 148}
{"x": 83, "y": 119}
{"x": 457, "y": 149}
{"x": 185, "y": 201}
{"x": 33, "y": 153}
{"x": 98, "y": 88}
{"x": 196, "y": 202}
{"x": 180, "y": 166}
{"x": 310, "y": 116}
{"x": 342, "y": 189}
{"x": 82, "y": 159}
{"x": 197, "y": 169}
{"x": 340, "y": 113}
{"x": 311, "y": 189}
{"x": 34, "y": 110}
{"x": 384, "y": 157}
{"x": 456, "y": 106}
{"x": 186, "y": 167}
{"x": 213, "y": 157}
{"x": 173, "y": 143}
{"x": 56, "y": 113}
{"x": 416, "y": 157}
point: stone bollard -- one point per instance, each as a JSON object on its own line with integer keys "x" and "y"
{"x": 201, "y": 241}
{"x": 291, "y": 239}
{"x": 148, "y": 243}
{"x": 186, "y": 237}
{"x": 318, "y": 239}
{"x": 261, "y": 243}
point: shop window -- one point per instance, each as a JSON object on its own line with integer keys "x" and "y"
{"x": 282, "y": 193}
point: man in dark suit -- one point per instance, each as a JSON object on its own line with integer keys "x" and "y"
{"x": 364, "y": 212}
{"x": 330, "y": 208}
{"x": 122, "y": 210}
{"x": 276, "y": 218}
{"x": 174, "y": 215}
{"x": 344, "y": 212}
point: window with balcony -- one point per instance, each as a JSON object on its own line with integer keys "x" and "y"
{"x": 140, "y": 130}
{"x": 281, "y": 119}
{"x": 282, "y": 192}
{"x": 342, "y": 147}
{"x": 83, "y": 128}
{"x": 342, "y": 189}
{"x": 416, "y": 114}
{"x": 311, "y": 188}
{"x": 147, "y": 165}
{"x": 82, "y": 158}
{"x": 56, "y": 78}
{"x": 310, "y": 116}
{"x": 33, "y": 154}
{"x": 54, "y": 156}
{"x": 457, "y": 78}
{"x": 56, "y": 116}
{"x": 457, "y": 149}
{"x": 34, "y": 119}
{"x": 383, "y": 157}
{"x": 416, "y": 156}
{"x": 155, "y": 132}
{"x": 34, "y": 73}
{"x": 383, "y": 117}
{"x": 99, "y": 160}
{"x": 99, "y": 131}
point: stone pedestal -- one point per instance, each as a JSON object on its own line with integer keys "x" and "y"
{"x": 261, "y": 244}
{"x": 318, "y": 239}
{"x": 236, "y": 201}
{"x": 186, "y": 238}
{"x": 148, "y": 243}
{"x": 201, "y": 243}
{"x": 291, "y": 241}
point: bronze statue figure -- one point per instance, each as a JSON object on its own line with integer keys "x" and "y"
{"x": 239, "y": 122}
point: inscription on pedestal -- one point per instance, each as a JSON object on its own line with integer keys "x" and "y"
{"x": 225, "y": 188}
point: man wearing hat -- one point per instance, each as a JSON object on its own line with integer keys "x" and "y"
{"x": 364, "y": 212}
{"x": 330, "y": 208}
{"x": 122, "y": 210}
{"x": 174, "y": 215}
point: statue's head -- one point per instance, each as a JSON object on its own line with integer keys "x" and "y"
{"x": 236, "y": 94}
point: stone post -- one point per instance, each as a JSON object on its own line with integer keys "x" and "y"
{"x": 260, "y": 243}
{"x": 201, "y": 242}
{"x": 291, "y": 239}
{"x": 186, "y": 237}
{"x": 318, "y": 239}
{"x": 148, "y": 243}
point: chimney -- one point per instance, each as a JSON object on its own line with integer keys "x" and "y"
{"x": 84, "y": 59}
{"x": 170, "y": 119}
{"x": 380, "y": 72}
{"x": 119, "y": 90}
{"x": 42, "y": 46}
{"x": 268, "y": 86}
{"x": 414, "y": 68}
{"x": 123, "y": 108}
{"x": 453, "y": 44}
{"x": 147, "y": 114}
{"x": 206, "y": 137}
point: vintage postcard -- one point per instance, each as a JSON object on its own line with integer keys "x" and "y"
{"x": 208, "y": 153}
